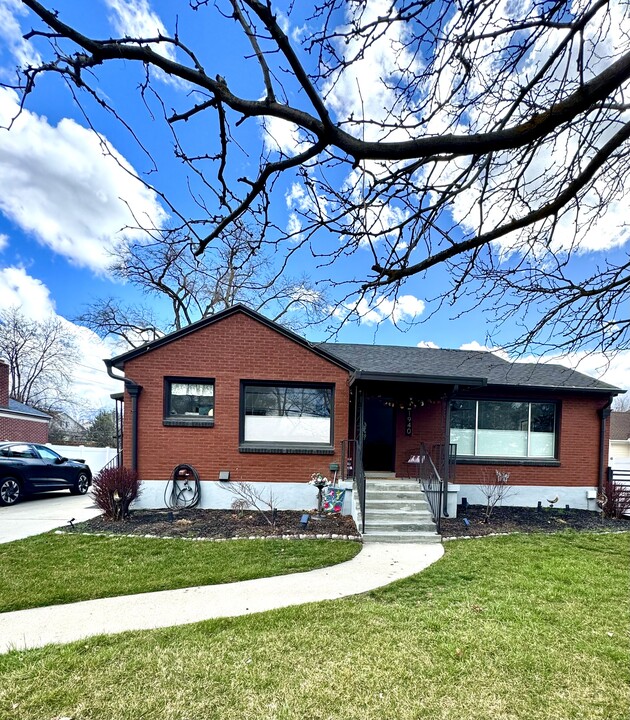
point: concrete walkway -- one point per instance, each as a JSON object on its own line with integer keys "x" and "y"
{"x": 376, "y": 565}
{"x": 38, "y": 514}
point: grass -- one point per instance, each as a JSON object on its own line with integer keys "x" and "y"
{"x": 52, "y": 569}
{"x": 504, "y": 628}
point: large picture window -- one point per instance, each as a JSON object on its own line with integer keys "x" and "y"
{"x": 189, "y": 401}
{"x": 287, "y": 414}
{"x": 501, "y": 428}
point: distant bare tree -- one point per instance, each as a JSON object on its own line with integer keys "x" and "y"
{"x": 621, "y": 403}
{"x": 235, "y": 269}
{"x": 40, "y": 355}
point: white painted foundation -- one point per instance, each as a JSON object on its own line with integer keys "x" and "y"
{"x": 214, "y": 495}
{"x": 301, "y": 496}
{"x": 580, "y": 498}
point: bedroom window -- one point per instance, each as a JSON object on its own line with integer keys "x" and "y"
{"x": 287, "y": 414}
{"x": 502, "y": 428}
{"x": 189, "y": 401}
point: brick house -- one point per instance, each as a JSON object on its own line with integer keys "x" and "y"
{"x": 19, "y": 421}
{"x": 236, "y": 393}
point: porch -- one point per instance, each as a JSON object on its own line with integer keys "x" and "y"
{"x": 399, "y": 459}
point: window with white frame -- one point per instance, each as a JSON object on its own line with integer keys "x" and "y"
{"x": 189, "y": 399}
{"x": 504, "y": 428}
{"x": 287, "y": 414}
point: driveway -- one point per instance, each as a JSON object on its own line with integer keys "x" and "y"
{"x": 41, "y": 513}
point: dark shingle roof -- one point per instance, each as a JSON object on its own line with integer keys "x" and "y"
{"x": 620, "y": 425}
{"x": 18, "y": 407}
{"x": 480, "y": 367}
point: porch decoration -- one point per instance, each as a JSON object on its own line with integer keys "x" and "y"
{"x": 320, "y": 482}
{"x": 333, "y": 500}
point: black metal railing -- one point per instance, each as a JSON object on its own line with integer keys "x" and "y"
{"x": 444, "y": 456}
{"x": 432, "y": 484}
{"x": 352, "y": 469}
{"x": 115, "y": 462}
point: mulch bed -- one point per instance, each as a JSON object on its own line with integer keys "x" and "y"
{"x": 528, "y": 520}
{"x": 216, "y": 524}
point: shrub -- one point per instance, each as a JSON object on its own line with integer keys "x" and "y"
{"x": 251, "y": 496}
{"x": 114, "y": 490}
{"x": 616, "y": 499}
{"x": 495, "y": 489}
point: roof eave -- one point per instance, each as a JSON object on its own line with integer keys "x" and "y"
{"x": 562, "y": 388}
{"x": 417, "y": 378}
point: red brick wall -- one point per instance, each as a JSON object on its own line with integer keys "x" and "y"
{"x": 233, "y": 349}
{"x": 427, "y": 427}
{"x": 26, "y": 430}
{"x": 578, "y": 441}
{"x": 4, "y": 384}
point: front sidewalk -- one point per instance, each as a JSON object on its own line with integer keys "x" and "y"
{"x": 376, "y": 565}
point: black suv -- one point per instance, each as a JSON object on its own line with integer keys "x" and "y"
{"x": 28, "y": 468}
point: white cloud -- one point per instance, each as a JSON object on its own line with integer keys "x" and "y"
{"x": 404, "y": 308}
{"x": 134, "y": 18}
{"x": 91, "y": 386}
{"x": 18, "y": 289}
{"x": 427, "y": 344}
{"x": 11, "y": 33}
{"x": 613, "y": 369}
{"x": 282, "y": 136}
{"x": 366, "y": 87}
{"x": 4, "y": 241}
{"x": 69, "y": 187}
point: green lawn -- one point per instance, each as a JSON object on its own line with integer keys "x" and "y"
{"x": 51, "y": 569}
{"x": 504, "y": 628}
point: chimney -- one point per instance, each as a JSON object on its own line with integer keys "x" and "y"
{"x": 4, "y": 384}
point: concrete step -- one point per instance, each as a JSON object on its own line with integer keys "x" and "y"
{"x": 395, "y": 537}
{"x": 376, "y": 497}
{"x": 397, "y": 508}
{"x": 397, "y": 511}
{"x": 416, "y": 513}
{"x": 395, "y": 482}
{"x": 399, "y": 527}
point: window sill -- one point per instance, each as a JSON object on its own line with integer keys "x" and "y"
{"x": 188, "y": 422}
{"x": 519, "y": 462}
{"x": 272, "y": 449}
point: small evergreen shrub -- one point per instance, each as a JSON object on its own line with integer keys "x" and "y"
{"x": 114, "y": 490}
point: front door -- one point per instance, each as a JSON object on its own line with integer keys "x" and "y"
{"x": 379, "y": 444}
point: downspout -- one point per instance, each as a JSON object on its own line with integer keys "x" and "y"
{"x": 134, "y": 390}
{"x": 604, "y": 414}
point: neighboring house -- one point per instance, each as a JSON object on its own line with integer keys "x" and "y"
{"x": 620, "y": 438}
{"x": 65, "y": 429}
{"x": 19, "y": 421}
{"x": 237, "y": 393}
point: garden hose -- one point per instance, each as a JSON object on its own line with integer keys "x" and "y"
{"x": 185, "y": 488}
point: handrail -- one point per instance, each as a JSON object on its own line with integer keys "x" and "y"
{"x": 115, "y": 462}
{"x": 432, "y": 484}
{"x": 352, "y": 467}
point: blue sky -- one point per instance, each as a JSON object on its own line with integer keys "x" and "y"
{"x": 63, "y": 201}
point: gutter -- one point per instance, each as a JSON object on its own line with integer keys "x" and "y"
{"x": 134, "y": 391}
{"x": 367, "y": 375}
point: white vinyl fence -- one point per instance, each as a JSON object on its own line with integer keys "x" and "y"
{"x": 95, "y": 457}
